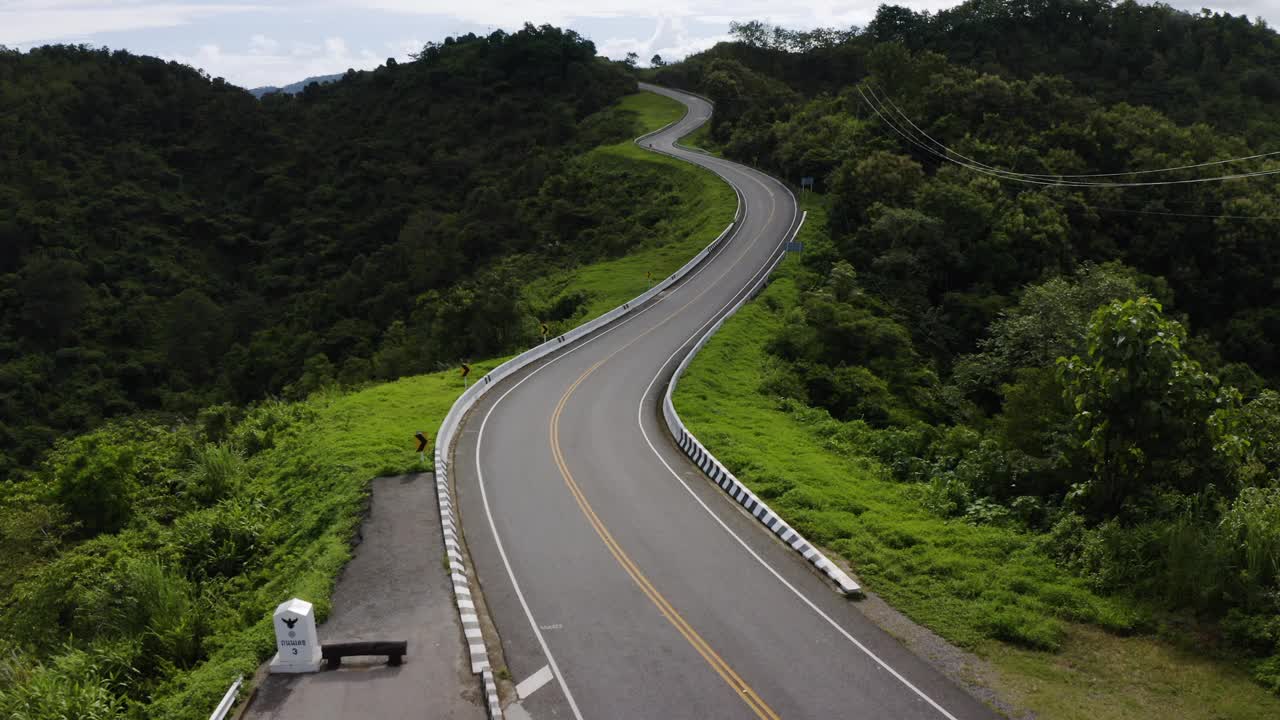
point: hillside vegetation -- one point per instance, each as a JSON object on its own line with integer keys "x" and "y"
{"x": 1063, "y": 398}
{"x": 170, "y": 242}
{"x": 142, "y": 559}
{"x": 1062, "y": 648}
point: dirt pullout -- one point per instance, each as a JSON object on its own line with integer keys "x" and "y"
{"x": 394, "y": 588}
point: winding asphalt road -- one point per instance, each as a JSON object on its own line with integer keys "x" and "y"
{"x": 622, "y": 582}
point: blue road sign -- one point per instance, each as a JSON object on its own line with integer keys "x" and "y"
{"x": 795, "y": 246}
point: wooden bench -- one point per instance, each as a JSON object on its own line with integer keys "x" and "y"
{"x": 395, "y": 650}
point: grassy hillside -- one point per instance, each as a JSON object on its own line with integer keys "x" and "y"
{"x": 214, "y": 521}
{"x": 706, "y": 205}
{"x": 1062, "y": 650}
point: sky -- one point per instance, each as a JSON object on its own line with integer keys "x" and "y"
{"x": 275, "y": 42}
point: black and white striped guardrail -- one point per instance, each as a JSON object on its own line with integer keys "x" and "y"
{"x": 462, "y": 592}
{"x": 721, "y": 475}
{"x": 479, "y": 654}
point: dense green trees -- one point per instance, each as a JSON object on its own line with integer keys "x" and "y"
{"x": 1141, "y": 406}
{"x": 1096, "y": 364}
{"x": 374, "y": 228}
{"x": 169, "y": 242}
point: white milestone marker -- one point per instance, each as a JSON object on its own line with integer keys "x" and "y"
{"x": 297, "y": 645}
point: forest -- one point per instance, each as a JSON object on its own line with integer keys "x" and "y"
{"x": 182, "y": 265}
{"x": 168, "y": 242}
{"x": 1029, "y": 307}
{"x": 201, "y": 295}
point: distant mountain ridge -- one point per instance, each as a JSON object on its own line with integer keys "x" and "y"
{"x": 295, "y": 88}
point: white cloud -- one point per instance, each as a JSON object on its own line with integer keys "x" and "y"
{"x": 335, "y": 47}
{"x": 253, "y": 67}
{"x": 24, "y": 22}
{"x": 326, "y": 36}
{"x": 670, "y": 39}
{"x": 404, "y": 48}
{"x": 687, "y": 47}
{"x": 263, "y": 45}
{"x": 28, "y": 22}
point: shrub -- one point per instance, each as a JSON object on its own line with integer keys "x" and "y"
{"x": 215, "y": 472}
{"x": 76, "y": 594}
{"x": 222, "y": 540}
{"x": 72, "y": 689}
{"x": 903, "y": 451}
{"x": 946, "y": 495}
{"x": 1191, "y": 563}
{"x": 260, "y": 428}
{"x": 986, "y": 512}
{"x": 1259, "y": 633}
{"x": 1016, "y": 625}
{"x": 94, "y": 480}
{"x": 1267, "y": 673}
{"x": 1252, "y": 528}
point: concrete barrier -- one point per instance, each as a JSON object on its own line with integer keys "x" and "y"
{"x": 721, "y": 475}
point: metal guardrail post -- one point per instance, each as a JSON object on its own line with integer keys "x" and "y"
{"x": 229, "y": 699}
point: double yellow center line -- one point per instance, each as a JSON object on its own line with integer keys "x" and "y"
{"x": 717, "y": 663}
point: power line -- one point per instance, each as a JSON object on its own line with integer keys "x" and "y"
{"x": 1045, "y": 181}
{"x": 1044, "y": 176}
{"x": 1190, "y": 215}
{"x": 914, "y": 141}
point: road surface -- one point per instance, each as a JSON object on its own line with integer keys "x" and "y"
{"x": 623, "y": 583}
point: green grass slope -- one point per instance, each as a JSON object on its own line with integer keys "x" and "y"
{"x": 1061, "y": 650}
{"x": 709, "y": 206}
{"x": 219, "y": 519}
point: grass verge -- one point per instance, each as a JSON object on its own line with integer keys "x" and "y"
{"x": 1059, "y": 649}
{"x": 652, "y": 111}
{"x": 709, "y": 205}
{"x": 314, "y": 479}
{"x": 700, "y": 139}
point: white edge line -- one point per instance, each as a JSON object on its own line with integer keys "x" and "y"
{"x": 515, "y": 584}
{"x": 442, "y": 466}
{"x": 783, "y": 580}
{"x": 551, "y": 661}
{"x": 555, "y": 668}
{"x": 534, "y": 682}
{"x": 766, "y": 565}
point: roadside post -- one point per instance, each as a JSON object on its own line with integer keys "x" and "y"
{"x": 466, "y": 370}
{"x": 297, "y": 644}
{"x": 794, "y": 246}
{"x": 422, "y": 446}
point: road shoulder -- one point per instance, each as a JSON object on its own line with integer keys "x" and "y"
{"x": 395, "y": 587}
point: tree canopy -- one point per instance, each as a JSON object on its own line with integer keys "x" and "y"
{"x": 1021, "y": 302}
{"x": 169, "y": 242}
